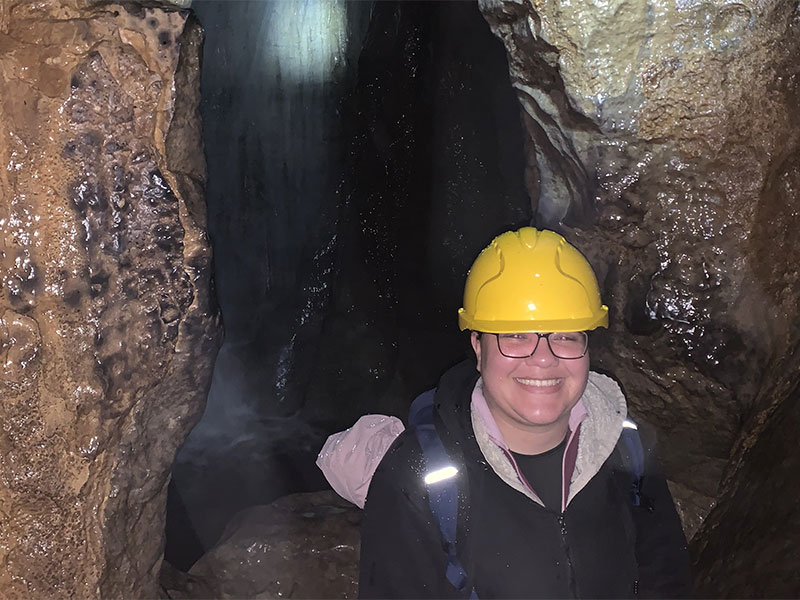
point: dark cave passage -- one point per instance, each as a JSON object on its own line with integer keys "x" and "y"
{"x": 344, "y": 210}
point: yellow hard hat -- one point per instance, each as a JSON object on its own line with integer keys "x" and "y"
{"x": 531, "y": 280}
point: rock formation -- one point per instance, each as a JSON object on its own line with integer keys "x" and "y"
{"x": 664, "y": 139}
{"x": 749, "y": 545}
{"x": 301, "y": 546}
{"x": 107, "y": 328}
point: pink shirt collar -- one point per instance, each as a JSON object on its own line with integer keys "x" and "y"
{"x": 576, "y": 417}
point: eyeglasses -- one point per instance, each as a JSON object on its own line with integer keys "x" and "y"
{"x": 569, "y": 345}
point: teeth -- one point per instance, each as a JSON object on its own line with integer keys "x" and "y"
{"x": 539, "y": 382}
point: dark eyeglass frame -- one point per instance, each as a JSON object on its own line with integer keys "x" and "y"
{"x": 546, "y": 336}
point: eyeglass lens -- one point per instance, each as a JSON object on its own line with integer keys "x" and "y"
{"x": 562, "y": 345}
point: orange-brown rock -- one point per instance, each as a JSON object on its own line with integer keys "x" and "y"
{"x": 107, "y": 329}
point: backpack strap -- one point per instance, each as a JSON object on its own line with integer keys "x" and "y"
{"x": 633, "y": 459}
{"x": 441, "y": 483}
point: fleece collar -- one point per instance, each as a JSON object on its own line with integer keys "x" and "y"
{"x": 595, "y": 424}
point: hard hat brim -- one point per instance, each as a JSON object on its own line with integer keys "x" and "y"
{"x": 499, "y": 326}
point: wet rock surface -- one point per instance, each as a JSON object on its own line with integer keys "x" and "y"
{"x": 750, "y": 543}
{"x": 301, "y": 546}
{"x": 107, "y": 330}
{"x": 663, "y": 139}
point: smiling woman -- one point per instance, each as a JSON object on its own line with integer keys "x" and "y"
{"x": 537, "y": 499}
{"x": 530, "y": 398}
{"x": 524, "y": 283}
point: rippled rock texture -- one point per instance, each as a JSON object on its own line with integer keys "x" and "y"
{"x": 107, "y": 332}
{"x": 663, "y": 138}
{"x": 301, "y": 546}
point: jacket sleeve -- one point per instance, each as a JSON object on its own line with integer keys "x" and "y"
{"x": 401, "y": 548}
{"x": 661, "y": 548}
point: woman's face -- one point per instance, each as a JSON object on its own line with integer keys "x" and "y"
{"x": 534, "y": 393}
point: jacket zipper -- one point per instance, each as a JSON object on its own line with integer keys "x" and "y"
{"x": 573, "y": 592}
{"x": 562, "y": 525}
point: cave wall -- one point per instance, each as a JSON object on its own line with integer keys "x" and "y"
{"x": 663, "y": 139}
{"x": 107, "y": 326}
{"x": 750, "y": 543}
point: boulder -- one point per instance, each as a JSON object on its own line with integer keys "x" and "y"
{"x": 300, "y": 546}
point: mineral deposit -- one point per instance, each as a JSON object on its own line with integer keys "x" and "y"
{"x": 107, "y": 331}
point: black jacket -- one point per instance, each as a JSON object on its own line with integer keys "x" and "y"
{"x": 511, "y": 547}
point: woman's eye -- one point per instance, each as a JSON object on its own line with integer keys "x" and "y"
{"x": 566, "y": 337}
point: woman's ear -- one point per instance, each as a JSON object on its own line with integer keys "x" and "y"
{"x": 475, "y": 340}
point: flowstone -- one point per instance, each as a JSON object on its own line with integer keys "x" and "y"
{"x": 663, "y": 138}
{"x": 107, "y": 328}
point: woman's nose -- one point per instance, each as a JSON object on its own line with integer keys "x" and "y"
{"x": 542, "y": 356}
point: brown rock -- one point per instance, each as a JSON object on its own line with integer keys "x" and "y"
{"x": 106, "y": 327}
{"x": 749, "y": 545}
{"x": 301, "y": 546}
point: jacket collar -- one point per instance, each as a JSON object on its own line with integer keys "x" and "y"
{"x": 595, "y": 424}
